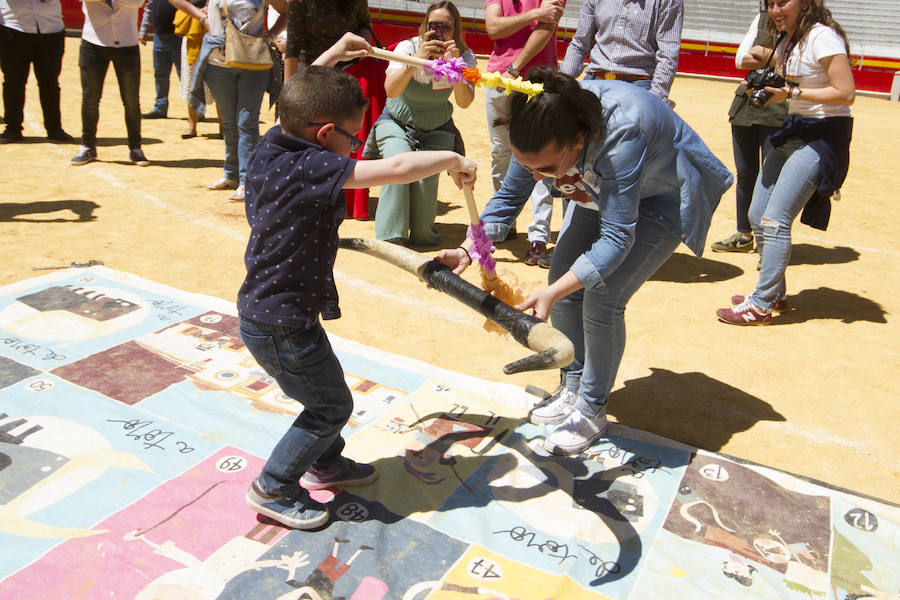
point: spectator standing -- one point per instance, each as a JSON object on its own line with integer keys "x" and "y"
{"x": 751, "y": 127}
{"x": 31, "y": 36}
{"x": 810, "y": 153}
{"x": 110, "y": 35}
{"x": 524, "y": 34}
{"x": 159, "y": 16}
{"x": 630, "y": 41}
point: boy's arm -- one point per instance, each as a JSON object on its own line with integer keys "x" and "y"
{"x": 411, "y": 166}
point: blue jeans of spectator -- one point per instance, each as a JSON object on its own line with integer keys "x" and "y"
{"x": 94, "y": 62}
{"x": 751, "y": 145}
{"x": 18, "y": 53}
{"x": 594, "y": 320}
{"x": 304, "y": 365}
{"x": 788, "y": 179}
{"x": 239, "y": 95}
{"x": 166, "y": 54}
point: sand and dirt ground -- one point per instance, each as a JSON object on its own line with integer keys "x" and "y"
{"x": 814, "y": 393}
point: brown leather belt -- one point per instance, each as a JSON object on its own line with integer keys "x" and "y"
{"x": 619, "y": 76}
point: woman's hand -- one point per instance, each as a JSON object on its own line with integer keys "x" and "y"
{"x": 430, "y": 47}
{"x": 456, "y": 258}
{"x": 777, "y": 95}
{"x": 450, "y": 49}
{"x": 464, "y": 173}
{"x": 538, "y": 304}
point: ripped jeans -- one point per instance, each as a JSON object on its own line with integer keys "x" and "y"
{"x": 787, "y": 180}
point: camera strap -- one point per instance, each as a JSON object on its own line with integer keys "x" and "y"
{"x": 774, "y": 47}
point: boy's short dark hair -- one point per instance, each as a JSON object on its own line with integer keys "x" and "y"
{"x": 318, "y": 93}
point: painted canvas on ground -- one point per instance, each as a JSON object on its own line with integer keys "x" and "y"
{"x": 132, "y": 420}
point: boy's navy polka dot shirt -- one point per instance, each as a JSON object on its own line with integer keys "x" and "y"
{"x": 294, "y": 205}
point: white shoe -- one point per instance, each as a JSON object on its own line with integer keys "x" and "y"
{"x": 575, "y": 434}
{"x": 554, "y": 409}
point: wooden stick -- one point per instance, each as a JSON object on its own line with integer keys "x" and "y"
{"x": 413, "y": 61}
{"x": 474, "y": 219}
{"x": 552, "y": 348}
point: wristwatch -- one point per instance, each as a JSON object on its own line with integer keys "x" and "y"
{"x": 512, "y": 70}
{"x": 795, "y": 92}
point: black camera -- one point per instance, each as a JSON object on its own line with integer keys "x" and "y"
{"x": 760, "y": 79}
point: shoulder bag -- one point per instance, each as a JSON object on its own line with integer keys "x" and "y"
{"x": 244, "y": 51}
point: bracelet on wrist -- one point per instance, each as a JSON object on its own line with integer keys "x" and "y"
{"x": 467, "y": 253}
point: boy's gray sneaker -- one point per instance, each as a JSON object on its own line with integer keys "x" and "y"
{"x": 297, "y": 513}
{"x": 344, "y": 472}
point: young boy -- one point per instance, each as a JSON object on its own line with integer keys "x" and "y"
{"x": 294, "y": 205}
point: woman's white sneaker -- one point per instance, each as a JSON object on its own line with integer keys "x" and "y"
{"x": 554, "y": 409}
{"x": 575, "y": 434}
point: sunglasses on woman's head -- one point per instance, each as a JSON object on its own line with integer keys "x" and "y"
{"x": 355, "y": 142}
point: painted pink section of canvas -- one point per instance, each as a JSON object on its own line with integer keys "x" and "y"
{"x": 197, "y": 512}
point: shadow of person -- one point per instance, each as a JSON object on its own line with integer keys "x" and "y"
{"x": 809, "y": 254}
{"x": 445, "y": 208}
{"x": 123, "y": 141}
{"x": 508, "y": 466}
{"x": 688, "y": 407}
{"x": 687, "y": 268}
{"x": 188, "y": 163}
{"x": 83, "y": 209}
{"x": 826, "y": 303}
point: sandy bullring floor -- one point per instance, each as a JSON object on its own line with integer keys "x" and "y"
{"x": 814, "y": 394}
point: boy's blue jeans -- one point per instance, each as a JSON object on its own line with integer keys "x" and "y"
{"x": 305, "y": 367}
{"x": 786, "y": 182}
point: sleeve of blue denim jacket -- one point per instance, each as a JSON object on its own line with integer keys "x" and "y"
{"x": 616, "y": 169}
{"x": 508, "y": 201}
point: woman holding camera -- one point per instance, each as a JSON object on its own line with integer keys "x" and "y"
{"x": 640, "y": 181}
{"x": 811, "y": 151}
{"x": 418, "y": 116}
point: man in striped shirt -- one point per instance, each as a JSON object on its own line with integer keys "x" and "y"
{"x": 630, "y": 40}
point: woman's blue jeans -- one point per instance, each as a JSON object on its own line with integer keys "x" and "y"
{"x": 238, "y": 94}
{"x": 787, "y": 181}
{"x": 594, "y": 319}
{"x": 750, "y": 144}
{"x": 304, "y": 365}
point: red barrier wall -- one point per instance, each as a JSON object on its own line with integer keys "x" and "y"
{"x": 872, "y": 74}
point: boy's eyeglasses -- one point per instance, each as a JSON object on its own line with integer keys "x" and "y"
{"x": 355, "y": 142}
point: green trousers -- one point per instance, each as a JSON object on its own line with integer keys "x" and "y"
{"x": 407, "y": 211}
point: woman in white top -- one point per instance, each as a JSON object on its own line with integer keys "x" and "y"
{"x": 811, "y": 150}
{"x": 418, "y": 116}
